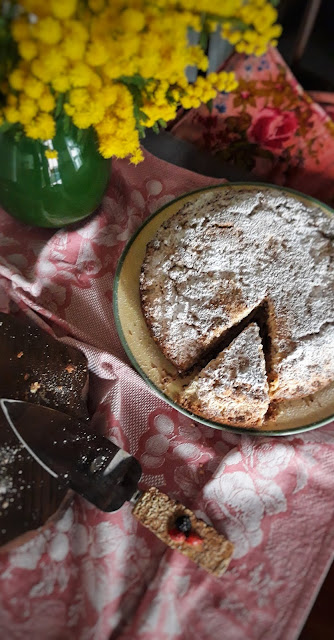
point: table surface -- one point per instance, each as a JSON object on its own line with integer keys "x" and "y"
{"x": 94, "y": 575}
{"x": 319, "y": 623}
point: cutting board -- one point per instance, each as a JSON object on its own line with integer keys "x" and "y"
{"x": 35, "y": 367}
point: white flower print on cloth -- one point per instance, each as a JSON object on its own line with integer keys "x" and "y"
{"x": 151, "y": 196}
{"x": 155, "y": 447}
{"x": 248, "y": 487}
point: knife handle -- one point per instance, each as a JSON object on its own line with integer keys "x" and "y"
{"x": 95, "y": 467}
{"x": 104, "y": 474}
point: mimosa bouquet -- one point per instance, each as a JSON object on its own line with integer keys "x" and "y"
{"x": 119, "y": 66}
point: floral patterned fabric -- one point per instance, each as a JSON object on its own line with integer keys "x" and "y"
{"x": 269, "y": 126}
{"x": 95, "y": 576}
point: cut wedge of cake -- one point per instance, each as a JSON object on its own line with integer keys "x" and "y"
{"x": 232, "y": 389}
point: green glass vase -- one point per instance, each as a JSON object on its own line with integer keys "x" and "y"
{"x": 57, "y": 191}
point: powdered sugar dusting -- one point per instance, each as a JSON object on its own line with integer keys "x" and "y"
{"x": 7, "y": 487}
{"x": 233, "y": 387}
{"x": 224, "y": 254}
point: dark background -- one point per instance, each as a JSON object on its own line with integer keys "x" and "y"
{"x": 315, "y": 70}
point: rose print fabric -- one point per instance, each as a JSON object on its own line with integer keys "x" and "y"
{"x": 269, "y": 126}
{"x": 96, "y": 576}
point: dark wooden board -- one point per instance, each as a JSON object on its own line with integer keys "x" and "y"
{"x": 38, "y": 368}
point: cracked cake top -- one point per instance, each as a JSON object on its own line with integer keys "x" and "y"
{"x": 227, "y": 253}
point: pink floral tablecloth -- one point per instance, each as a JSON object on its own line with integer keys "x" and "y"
{"x": 103, "y": 576}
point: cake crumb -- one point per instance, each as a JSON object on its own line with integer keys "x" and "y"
{"x": 70, "y": 368}
{"x": 7, "y": 485}
{"x": 20, "y": 354}
{"x": 34, "y": 387}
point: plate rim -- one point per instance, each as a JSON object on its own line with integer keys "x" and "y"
{"x": 215, "y": 425}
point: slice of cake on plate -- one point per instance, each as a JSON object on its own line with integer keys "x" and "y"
{"x": 232, "y": 389}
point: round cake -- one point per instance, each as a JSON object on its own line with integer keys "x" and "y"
{"x": 240, "y": 255}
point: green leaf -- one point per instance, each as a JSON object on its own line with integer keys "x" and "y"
{"x": 141, "y": 131}
{"x": 59, "y": 105}
{"x": 66, "y": 123}
{"x": 135, "y": 81}
{"x": 6, "y": 126}
{"x": 204, "y": 40}
{"x": 18, "y": 135}
{"x": 80, "y": 135}
{"x": 210, "y": 105}
{"x": 143, "y": 117}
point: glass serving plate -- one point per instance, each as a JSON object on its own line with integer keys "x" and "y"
{"x": 294, "y": 416}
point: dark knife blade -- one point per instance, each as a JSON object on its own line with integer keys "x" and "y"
{"x": 184, "y": 154}
{"x": 68, "y": 449}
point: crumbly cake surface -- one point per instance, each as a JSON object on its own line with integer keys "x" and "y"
{"x": 226, "y": 254}
{"x": 156, "y": 511}
{"x": 232, "y": 389}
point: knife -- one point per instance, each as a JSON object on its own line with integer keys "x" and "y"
{"x": 108, "y": 476}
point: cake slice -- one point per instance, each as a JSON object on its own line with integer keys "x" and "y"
{"x": 233, "y": 388}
